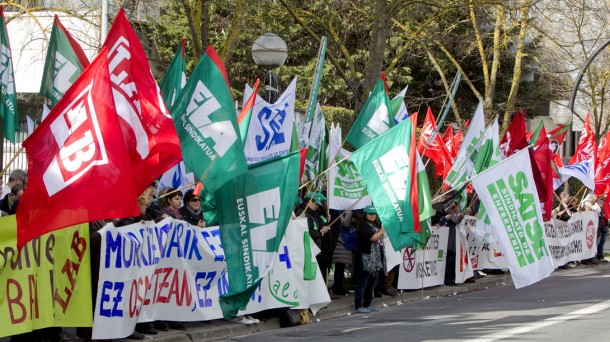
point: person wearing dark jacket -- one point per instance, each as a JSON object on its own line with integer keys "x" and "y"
{"x": 370, "y": 234}
{"x": 191, "y": 210}
{"x": 319, "y": 231}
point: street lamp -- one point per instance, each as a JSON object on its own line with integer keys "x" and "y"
{"x": 270, "y": 51}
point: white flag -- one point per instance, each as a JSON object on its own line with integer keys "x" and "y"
{"x": 345, "y": 184}
{"x": 464, "y": 161}
{"x": 270, "y": 130}
{"x": 508, "y": 191}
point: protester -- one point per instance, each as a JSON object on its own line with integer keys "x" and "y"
{"x": 191, "y": 210}
{"x": 144, "y": 201}
{"x": 370, "y": 233}
{"x": 341, "y": 255}
{"x": 170, "y": 201}
{"x": 9, "y": 203}
{"x": 564, "y": 210}
{"x": 17, "y": 176}
{"x": 317, "y": 223}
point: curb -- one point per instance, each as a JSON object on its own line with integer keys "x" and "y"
{"x": 222, "y": 330}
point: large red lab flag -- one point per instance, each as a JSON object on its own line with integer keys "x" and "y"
{"x": 430, "y": 144}
{"x": 148, "y": 129}
{"x": 78, "y": 165}
{"x": 515, "y": 137}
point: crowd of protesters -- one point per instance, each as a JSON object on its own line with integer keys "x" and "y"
{"x": 350, "y": 242}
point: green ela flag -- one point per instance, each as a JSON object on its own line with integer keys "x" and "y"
{"x": 315, "y": 161}
{"x": 8, "y": 108}
{"x": 254, "y": 210}
{"x": 424, "y": 203}
{"x": 243, "y": 119}
{"x": 373, "y": 120}
{"x": 387, "y": 167}
{"x": 206, "y": 123}
{"x": 65, "y": 61}
{"x": 175, "y": 78}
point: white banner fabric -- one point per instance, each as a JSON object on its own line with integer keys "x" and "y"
{"x": 427, "y": 263}
{"x": 509, "y": 194}
{"x": 175, "y": 271}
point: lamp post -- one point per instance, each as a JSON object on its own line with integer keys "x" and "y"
{"x": 561, "y": 116}
{"x": 270, "y": 51}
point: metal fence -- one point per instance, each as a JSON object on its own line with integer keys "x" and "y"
{"x": 11, "y": 151}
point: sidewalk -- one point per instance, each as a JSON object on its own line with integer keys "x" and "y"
{"x": 223, "y": 330}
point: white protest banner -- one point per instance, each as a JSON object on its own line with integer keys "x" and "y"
{"x": 392, "y": 257}
{"x": 463, "y": 264}
{"x": 270, "y": 131}
{"x": 286, "y": 284}
{"x": 482, "y": 256}
{"x": 573, "y": 240}
{"x": 509, "y": 194}
{"x": 427, "y": 263}
{"x": 165, "y": 271}
{"x": 175, "y": 271}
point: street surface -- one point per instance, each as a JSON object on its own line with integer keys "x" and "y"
{"x": 570, "y": 305}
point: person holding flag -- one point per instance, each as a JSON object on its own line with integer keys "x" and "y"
{"x": 319, "y": 231}
{"x": 368, "y": 260}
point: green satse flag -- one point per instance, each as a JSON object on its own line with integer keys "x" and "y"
{"x": 8, "y": 108}
{"x": 386, "y": 169}
{"x": 206, "y": 123}
{"x": 373, "y": 120}
{"x": 65, "y": 61}
{"x": 175, "y": 78}
{"x": 254, "y": 210}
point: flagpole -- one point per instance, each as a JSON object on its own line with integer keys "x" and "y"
{"x": 315, "y": 87}
{"x": 447, "y": 105}
{"x": 325, "y": 171}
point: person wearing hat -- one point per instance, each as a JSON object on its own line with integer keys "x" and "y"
{"x": 319, "y": 231}
{"x": 370, "y": 233}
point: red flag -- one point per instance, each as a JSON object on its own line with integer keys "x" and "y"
{"x": 448, "y": 139}
{"x": 78, "y": 165}
{"x": 433, "y": 148}
{"x": 303, "y": 154}
{"x": 602, "y": 171}
{"x": 147, "y": 127}
{"x": 515, "y": 138}
{"x": 586, "y": 149}
{"x": 556, "y": 138}
{"x": 542, "y": 167}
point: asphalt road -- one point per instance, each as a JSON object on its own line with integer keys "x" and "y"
{"x": 571, "y": 305}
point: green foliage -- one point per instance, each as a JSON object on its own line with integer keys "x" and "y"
{"x": 342, "y": 116}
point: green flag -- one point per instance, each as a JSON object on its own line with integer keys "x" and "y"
{"x": 65, "y": 61}
{"x": 388, "y": 167}
{"x": 175, "y": 78}
{"x": 8, "y": 108}
{"x": 206, "y": 123}
{"x": 316, "y": 153}
{"x": 243, "y": 119}
{"x": 254, "y": 210}
{"x": 536, "y": 132}
{"x": 373, "y": 120}
{"x": 424, "y": 203}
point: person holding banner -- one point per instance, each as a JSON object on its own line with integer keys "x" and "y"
{"x": 319, "y": 231}
{"x": 191, "y": 210}
{"x": 370, "y": 234}
{"x": 170, "y": 202}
